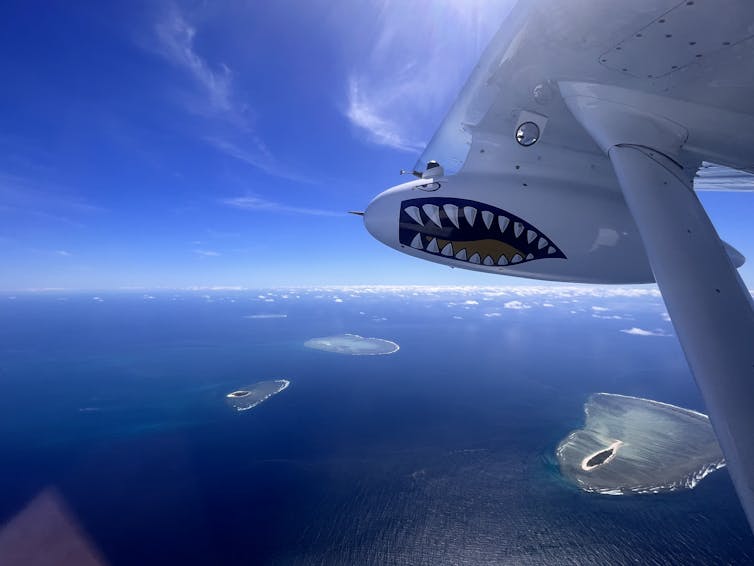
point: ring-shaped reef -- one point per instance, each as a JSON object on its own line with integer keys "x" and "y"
{"x": 353, "y": 345}
{"x": 631, "y": 445}
{"x": 252, "y": 395}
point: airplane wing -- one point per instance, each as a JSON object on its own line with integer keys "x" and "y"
{"x": 571, "y": 155}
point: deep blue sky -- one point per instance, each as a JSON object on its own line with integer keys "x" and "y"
{"x": 159, "y": 144}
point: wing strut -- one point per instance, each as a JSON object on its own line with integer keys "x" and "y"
{"x": 711, "y": 309}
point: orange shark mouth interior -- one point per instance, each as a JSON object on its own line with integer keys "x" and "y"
{"x": 471, "y": 232}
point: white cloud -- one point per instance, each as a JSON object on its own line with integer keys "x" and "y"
{"x": 63, "y": 253}
{"x": 609, "y": 316}
{"x": 254, "y": 203}
{"x": 600, "y": 309}
{"x": 641, "y": 332}
{"x": 516, "y": 305}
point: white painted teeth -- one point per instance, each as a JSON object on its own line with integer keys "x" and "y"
{"x": 503, "y": 222}
{"x": 518, "y": 229}
{"x": 529, "y": 257}
{"x": 470, "y": 213}
{"x": 531, "y": 235}
{"x": 413, "y": 212}
{"x": 550, "y": 250}
{"x": 516, "y": 259}
{"x": 542, "y": 243}
{"x": 433, "y": 211}
{"x": 503, "y": 260}
{"x": 447, "y": 250}
{"x": 475, "y": 259}
{"x": 488, "y": 261}
{"x": 416, "y": 243}
{"x": 488, "y": 217}
{"x": 461, "y": 254}
{"x": 451, "y": 211}
{"x": 432, "y": 246}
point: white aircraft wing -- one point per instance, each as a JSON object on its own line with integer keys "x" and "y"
{"x": 571, "y": 155}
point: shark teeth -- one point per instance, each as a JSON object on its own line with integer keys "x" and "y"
{"x": 503, "y": 222}
{"x": 517, "y": 241}
{"x": 433, "y": 211}
{"x": 469, "y": 212}
{"x": 488, "y": 218}
{"x": 413, "y": 212}
{"x": 451, "y": 211}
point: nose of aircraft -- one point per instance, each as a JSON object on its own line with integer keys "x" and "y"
{"x": 381, "y": 216}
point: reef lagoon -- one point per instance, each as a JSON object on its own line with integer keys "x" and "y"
{"x": 633, "y": 445}
{"x": 249, "y": 397}
{"x": 353, "y": 345}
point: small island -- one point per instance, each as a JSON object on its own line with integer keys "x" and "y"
{"x": 353, "y": 345}
{"x": 630, "y": 445}
{"x": 601, "y": 457}
{"x": 251, "y": 396}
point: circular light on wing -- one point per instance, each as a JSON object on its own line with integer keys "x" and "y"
{"x": 527, "y": 134}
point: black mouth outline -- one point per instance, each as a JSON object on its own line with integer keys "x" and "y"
{"x": 472, "y": 232}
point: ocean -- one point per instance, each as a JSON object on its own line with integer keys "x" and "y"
{"x": 113, "y": 406}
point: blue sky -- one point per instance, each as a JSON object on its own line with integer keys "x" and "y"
{"x": 148, "y": 144}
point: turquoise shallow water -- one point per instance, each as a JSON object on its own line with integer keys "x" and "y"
{"x": 440, "y": 453}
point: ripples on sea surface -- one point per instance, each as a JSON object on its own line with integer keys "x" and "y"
{"x": 439, "y": 454}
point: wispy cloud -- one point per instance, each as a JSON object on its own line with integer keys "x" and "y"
{"x": 257, "y": 204}
{"x": 41, "y": 199}
{"x": 63, "y": 253}
{"x": 369, "y": 108}
{"x": 642, "y": 332}
{"x": 227, "y": 129}
{"x": 176, "y": 44}
{"x": 398, "y": 92}
{"x": 206, "y": 253}
{"x": 255, "y": 153}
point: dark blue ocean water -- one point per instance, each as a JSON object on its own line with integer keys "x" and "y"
{"x": 439, "y": 454}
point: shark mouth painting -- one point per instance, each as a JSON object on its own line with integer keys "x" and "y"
{"x": 471, "y": 232}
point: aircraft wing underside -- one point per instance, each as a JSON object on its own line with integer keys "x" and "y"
{"x": 572, "y": 154}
